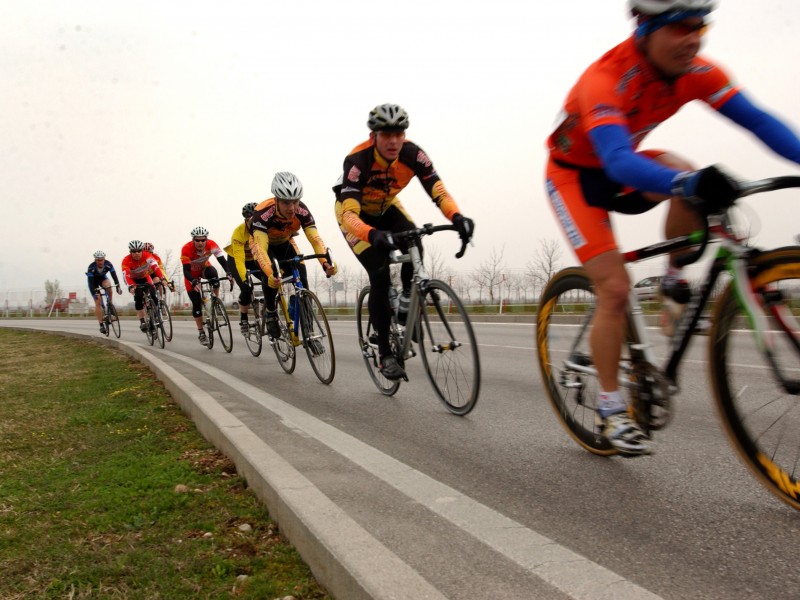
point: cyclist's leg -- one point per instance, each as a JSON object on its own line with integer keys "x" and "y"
{"x": 138, "y": 302}
{"x": 245, "y": 297}
{"x": 396, "y": 219}
{"x": 98, "y": 309}
{"x": 197, "y": 311}
{"x": 581, "y": 200}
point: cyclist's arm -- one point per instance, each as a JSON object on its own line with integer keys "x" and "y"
{"x": 224, "y": 264}
{"x": 113, "y": 274}
{"x": 187, "y": 271}
{"x": 236, "y": 254}
{"x": 624, "y": 165}
{"x": 154, "y": 268}
{"x": 768, "y": 128}
{"x": 315, "y": 239}
{"x": 351, "y": 219}
{"x": 259, "y": 248}
{"x": 89, "y": 281}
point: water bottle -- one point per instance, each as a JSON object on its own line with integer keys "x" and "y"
{"x": 393, "y": 300}
{"x": 402, "y": 308}
{"x": 292, "y": 305}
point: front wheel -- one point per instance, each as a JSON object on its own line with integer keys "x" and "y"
{"x": 284, "y": 345}
{"x": 166, "y": 319}
{"x": 253, "y": 338}
{"x": 368, "y": 343}
{"x": 222, "y": 324}
{"x": 317, "y": 337}
{"x": 563, "y": 324}
{"x": 448, "y": 347}
{"x": 113, "y": 320}
{"x": 761, "y": 414}
{"x": 150, "y": 325}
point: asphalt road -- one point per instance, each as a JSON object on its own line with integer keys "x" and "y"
{"x": 501, "y": 503}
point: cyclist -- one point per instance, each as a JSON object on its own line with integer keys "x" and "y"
{"x": 274, "y": 224}
{"x": 240, "y": 260}
{"x": 148, "y": 247}
{"x": 195, "y": 257}
{"x": 368, "y": 211}
{"x": 97, "y": 273}
{"x": 136, "y": 270}
{"x": 594, "y": 168}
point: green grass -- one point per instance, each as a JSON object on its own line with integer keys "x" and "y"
{"x": 108, "y": 491}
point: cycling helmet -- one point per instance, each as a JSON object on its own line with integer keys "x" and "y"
{"x": 657, "y": 7}
{"x": 148, "y": 247}
{"x": 199, "y": 231}
{"x": 136, "y": 246}
{"x": 286, "y": 186}
{"x": 247, "y": 210}
{"x": 387, "y": 116}
{"x": 99, "y": 254}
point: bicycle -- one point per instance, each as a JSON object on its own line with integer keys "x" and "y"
{"x": 755, "y": 316}
{"x": 303, "y": 322}
{"x": 110, "y": 317}
{"x": 152, "y": 316}
{"x": 257, "y": 328}
{"x": 215, "y": 317}
{"x": 440, "y": 325}
{"x": 163, "y": 307}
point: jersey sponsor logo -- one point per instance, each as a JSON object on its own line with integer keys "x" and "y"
{"x": 605, "y": 110}
{"x": 573, "y": 235}
{"x": 353, "y": 174}
{"x": 423, "y": 159}
{"x": 716, "y": 96}
{"x": 626, "y": 79}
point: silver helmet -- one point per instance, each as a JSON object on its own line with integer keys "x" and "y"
{"x": 199, "y": 231}
{"x": 387, "y": 116}
{"x": 286, "y": 186}
{"x": 657, "y": 7}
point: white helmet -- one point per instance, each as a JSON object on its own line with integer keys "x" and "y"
{"x": 99, "y": 254}
{"x": 199, "y": 231}
{"x": 387, "y": 116}
{"x": 657, "y": 7}
{"x": 286, "y": 186}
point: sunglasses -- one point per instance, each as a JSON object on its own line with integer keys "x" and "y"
{"x": 201, "y": 240}
{"x": 684, "y": 28}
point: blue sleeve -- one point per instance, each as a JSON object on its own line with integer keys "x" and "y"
{"x": 767, "y": 128}
{"x": 624, "y": 165}
{"x": 89, "y": 277}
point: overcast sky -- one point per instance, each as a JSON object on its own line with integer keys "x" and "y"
{"x": 142, "y": 120}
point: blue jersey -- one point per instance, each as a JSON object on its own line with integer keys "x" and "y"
{"x": 95, "y": 274}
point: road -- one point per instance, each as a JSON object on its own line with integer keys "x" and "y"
{"x": 501, "y": 503}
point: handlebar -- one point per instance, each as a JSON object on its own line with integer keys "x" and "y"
{"x": 429, "y": 229}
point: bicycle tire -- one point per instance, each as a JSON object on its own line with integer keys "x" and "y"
{"x": 448, "y": 347}
{"x": 113, "y": 320}
{"x": 283, "y": 346}
{"x": 316, "y": 336}
{"x": 572, "y": 394}
{"x": 761, "y": 419}
{"x": 156, "y": 325}
{"x": 150, "y": 331}
{"x": 369, "y": 350}
{"x": 166, "y": 319}
{"x": 222, "y": 324}
{"x": 253, "y": 340}
{"x": 210, "y": 324}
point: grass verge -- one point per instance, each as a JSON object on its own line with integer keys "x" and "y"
{"x": 108, "y": 491}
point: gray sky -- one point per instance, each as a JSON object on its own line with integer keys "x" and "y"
{"x": 144, "y": 119}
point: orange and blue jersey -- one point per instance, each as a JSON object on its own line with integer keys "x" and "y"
{"x": 134, "y": 271}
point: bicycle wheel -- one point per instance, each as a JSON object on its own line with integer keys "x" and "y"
{"x": 284, "y": 345}
{"x": 156, "y": 325}
{"x": 112, "y": 320}
{"x": 166, "y": 319}
{"x": 222, "y": 324}
{"x": 210, "y": 324}
{"x": 761, "y": 418}
{"x": 254, "y": 333}
{"x": 448, "y": 347}
{"x": 563, "y": 322}
{"x": 367, "y": 340}
{"x": 317, "y": 337}
{"x": 150, "y": 329}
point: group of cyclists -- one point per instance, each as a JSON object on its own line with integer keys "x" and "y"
{"x": 595, "y": 167}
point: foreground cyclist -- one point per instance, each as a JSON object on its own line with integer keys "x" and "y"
{"x": 195, "y": 257}
{"x": 594, "y": 168}
{"x": 368, "y": 211}
{"x": 97, "y": 274}
{"x": 137, "y": 268}
{"x": 275, "y": 221}
{"x": 240, "y": 260}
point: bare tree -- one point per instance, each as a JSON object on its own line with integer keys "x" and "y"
{"x": 544, "y": 264}
{"x": 52, "y": 290}
{"x": 489, "y": 274}
{"x": 434, "y": 263}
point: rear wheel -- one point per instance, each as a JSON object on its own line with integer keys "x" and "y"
{"x": 222, "y": 324}
{"x": 284, "y": 345}
{"x": 166, "y": 319}
{"x": 368, "y": 342}
{"x": 762, "y": 418}
{"x": 448, "y": 347}
{"x": 317, "y": 337}
{"x": 253, "y": 339}
{"x": 563, "y": 322}
{"x": 113, "y": 320}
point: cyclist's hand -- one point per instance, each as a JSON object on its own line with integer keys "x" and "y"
{"x": 330, "y": 269}
{"x": 382, "y": 240}
{"x": 273, "y": 282}
{"x": 195, "y": 285}
{"x": 119, "y": 290}
{"x": 171, "y": 286}
{"x": 465, "y": 225}
{"x": 708, "y": 190}
{"x": 131, "y": 288}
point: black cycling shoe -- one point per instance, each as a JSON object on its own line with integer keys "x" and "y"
{"x": 391, "y": 369}
{"x": 273, "y": 329}
{"x": 143, "y": 326}
{"x": 103, "y": 329}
